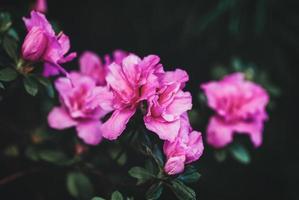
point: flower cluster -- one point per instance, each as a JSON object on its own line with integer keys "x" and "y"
{"x": 240, "y": 106}
{"x": 121, "y": 85}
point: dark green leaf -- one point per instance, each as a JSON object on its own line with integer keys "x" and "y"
{"x": 220, "y": 155}
{"x": 8, "y": 74}
{"x": 141, "y": 174}
{"x": 240, "y": 153}
{"x": 5, "y": 21}
{"x": 190, "y": 175}
{"x": 116, "y": 195}
{"x": 158, "y": 155}
{"x": 10, "y": 46}
{"x": 48, "y": 85}
{"x": 79, "y": 186}
{"x": 53, "y": 156}
{"x": 12, "y": 32}
{"x": 154, "y": 192}
{"x": 97, "y": 198}
{"x": 181, "y": 191}
{"x": 30, "y": 85}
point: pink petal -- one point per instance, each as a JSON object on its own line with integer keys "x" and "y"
{"x": 50, "y": 70}
{"x": 218, "y": 133}
{"x": 90, "y": 132}
{"x": 58, "y": 118}
{"x": 175, "y": 165}
{"x": 39, "y": 20}
{"x": 116, "y": 124}
{"x": 165, "y": 130}
{"x": 195, "y": 147}
{"x": 131, "y": 69}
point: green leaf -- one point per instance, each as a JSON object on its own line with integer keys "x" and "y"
{"x": 48, "y": 85}
{"x": 240, "y": 153}
{"x": 158, "y": 155}
{"x": 5, "y": 21}
{"x": 97, "y": 198}
{"x": 220, "y": 155}
{"x": 79, "y": 186}
{"x": 181, "y": 191}
{"x": 116, "y": 195}
{"x": 8, "y": 74}
{"x": 154, "y": 192}
{"x": 141, "y": 174}
{"x": 12, "y": 32}
{"x": 30, "y": 85}
{"x": 52, "y": 156}
{"x": 190, "y": 175}
{"x": 2, "y": 86}
{"x": 10, "y": 46}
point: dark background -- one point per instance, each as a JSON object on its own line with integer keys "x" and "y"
{"x": 196, "y": 36}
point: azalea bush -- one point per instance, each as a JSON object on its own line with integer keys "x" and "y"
{"x": 121, "y": 124}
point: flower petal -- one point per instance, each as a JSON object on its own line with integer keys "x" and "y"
{"x": 90, "y": 132}
{"x": 175, "y": 165}
{"x": 116, "y": 124}
{"x": 58, "y": 118}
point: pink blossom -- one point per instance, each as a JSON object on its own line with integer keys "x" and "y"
{"x": 41, "y": 44}
{"x": 40, "y": 6}
{"x": 92, "y": 65}
{"x": 168, "y": 104}
{"x": 131, "y": 81}
{"x": 82, "y": 105}
{"x": 240, "y": 107}
{"x": 186, "y": 148}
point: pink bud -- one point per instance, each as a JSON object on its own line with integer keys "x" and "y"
{"x": 41, "y": 6}
{"x": 35, "y": 44}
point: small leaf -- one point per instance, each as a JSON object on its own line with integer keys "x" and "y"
{"x": 240, "y": 153}
{"x": 97, "y": 198}
{"x": 79, "y": 186}
{"x": 220, "y": 155}
{"x": 190, "y": 175}
{"x": 158, "y": 155}
{"x": 30, "y": 86}
{"x": 10, "y": 46}
{"x": 52, "y": 156}
{"x": 116, "y": 196}
{"x": 48, "y": 85}
{"x": 154, "y": 192}
{"x": 181, "y": 191}
{"x": 8, "y": 74}
{"x": 2, "y": 86}
{"x": 141, "y": 174}
{"x": 12, "y": 32}
{"x": 5, "y": 21}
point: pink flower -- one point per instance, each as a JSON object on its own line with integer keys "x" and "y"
{"x": 186, "y": 148}
{"x": 240, "y": 106}
{"x": 131, "y": 81}
{"x": 82, "y": 105}
{"x": 168, "y": 104}
{"x": 91, "y": 65}
{"x": 40, "y": 6}
{"x": 41, "y": 44}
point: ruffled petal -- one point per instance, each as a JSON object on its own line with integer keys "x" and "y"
{"x": 58, "y": 118}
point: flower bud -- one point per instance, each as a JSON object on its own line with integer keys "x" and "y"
{"x": 35, "y": 44}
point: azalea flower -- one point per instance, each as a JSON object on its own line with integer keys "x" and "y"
{"x": 131, "y": 81}
{"x": 240, "y": 107}
{"x": 167, "y": 105}
{"x": 82, "y": 105}
{"x": 42, "y": 44}
{"x": 186, "y": 148}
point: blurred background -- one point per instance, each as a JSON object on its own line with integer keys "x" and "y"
{"x": 198, "y": 36}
